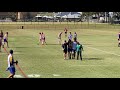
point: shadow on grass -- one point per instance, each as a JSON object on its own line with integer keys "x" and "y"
{"x": 92, "y": 58}
{"x": 25, "y": 47}
{"x": 53, "y": 44}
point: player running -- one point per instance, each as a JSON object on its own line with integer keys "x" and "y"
{"x": 11, "y": 64}
{"x": 59, "y": 38}
{"x": 6, "y": 39}
{"x": 65, "y": 30}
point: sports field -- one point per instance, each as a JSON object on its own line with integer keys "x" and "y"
{"x": 101, "y": 55}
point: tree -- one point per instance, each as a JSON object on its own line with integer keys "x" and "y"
{"x": 12, "y": 15}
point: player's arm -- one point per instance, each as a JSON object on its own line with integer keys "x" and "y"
{"x": 11, "y": 58}
{"x": 82, "y": 48}
{"x": 62, "y": 46}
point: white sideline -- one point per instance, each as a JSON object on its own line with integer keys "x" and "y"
{"x": 103, "y": 51}
{"x": 56, "y": 75}
{"x": 35, "y": 75}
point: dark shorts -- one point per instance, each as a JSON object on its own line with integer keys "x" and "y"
{"x": 69, "y": 49}
{"x": 5, "y": 40}
{"x": 73, "y": 50}
{"x": 65, "y": 51}
{"x": 12, "y": 69}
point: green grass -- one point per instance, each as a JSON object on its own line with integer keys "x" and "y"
{"x": 100, "y": 56}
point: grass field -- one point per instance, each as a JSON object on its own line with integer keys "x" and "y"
{"x": 101, "y": 55}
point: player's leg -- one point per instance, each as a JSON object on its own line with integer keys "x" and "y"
{"x": 4, "y": 41}
{"x": 12, "y": 72}
{"x": 65, "y": 54}
{"x": 81, "y": 55}
{"x": 7, "y": 43}
{"x": 72, "y": 54}
{"x": 68, "y": 53}
{"x": 77, "y": 55}
{"x": 42, "y": 41}
{"x": 58, "y": 40}
{"x": 45, "y": 41}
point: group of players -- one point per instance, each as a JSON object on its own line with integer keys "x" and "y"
{"x": 72, "y": 46}
{"x": 11, "y": 66}
{"x": 3, "y": 39}
{"x": 42, "y": 38}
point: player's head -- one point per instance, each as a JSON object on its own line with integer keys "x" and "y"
{"x": 11, "y": 51}
{"x": 40, "y": 33}
{"x": 6, "y": 32}
{"x": 75, "y": 39}
{"x": 65, "y": 41}
{"x": 70, "y": 32}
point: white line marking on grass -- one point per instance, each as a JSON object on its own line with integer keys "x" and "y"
{"x": 18, "y": 76}
{"x": 56, "y": 75}
{"x": 34, "y": 75}
{"x": 89, "y": 65}
{"x": 104, "y": 51}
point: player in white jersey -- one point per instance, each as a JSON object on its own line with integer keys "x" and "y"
{"x": 11, "y": 64}
{"x": 70, "y": 36}
{"x": 6, "y": 39}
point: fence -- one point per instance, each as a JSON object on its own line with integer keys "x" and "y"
{"x": 57, "y": 25}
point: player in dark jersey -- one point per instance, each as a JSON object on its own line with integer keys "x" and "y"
{"x": 65, "y": 48}
{"x": 74, "y": 48}
{"x": 70, "y": 47}
{"x": 65, "y": 30}
{"x": 79, "y": 50}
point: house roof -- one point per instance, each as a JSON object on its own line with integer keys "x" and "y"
{"x": 69, "y": 15}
